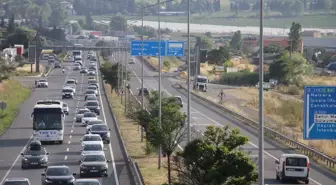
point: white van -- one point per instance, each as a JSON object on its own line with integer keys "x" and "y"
{"x": 293, "y": 167}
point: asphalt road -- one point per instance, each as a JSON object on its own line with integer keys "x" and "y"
{"x": 68, "y": 153}
{"x": 202, "y": 116}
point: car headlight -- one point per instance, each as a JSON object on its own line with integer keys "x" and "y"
{"x": 105, "y": 167}
{"x": 44, "y": 159}
{"x": 83, "y": 167}
{"x": 98, "y": 108}
{"x": 72, "y": 180}
{"x": 48, "y": 181}
{"x": 63, "y": 93}
{"x": 107, "y": 134}
{"x": 25, "y": 159}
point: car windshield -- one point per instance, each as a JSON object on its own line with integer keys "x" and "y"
{"x": 202, "y": 80}
{"x": 89, "y": 114}
{"x": 83, "y": 111}
{"x": 58, "y": 172}
{"x": 92, "y": 103}
{"x": 96, "y": 122}
{"x": 91, "y": 158}
{"x": 83, "y": 68}
{"x": 42, "y": 80}
{"x": 34, "y": 152}
{"x": 92, "y": 81}
{"x": 65, "y": 105}
{"x": 92, "y": 148}
{"x": 296, "y": 161}
{"x": 89, "y": 92}
{"x": 16, "y": 183}
{"x": 99, "y": 128}
{"x": 70, "y": 82}
{"x": 92, "y": 138}
{"x": 92, "y": 87}
{"x": 91, "y": 98}
{"x": 87, "y": 183}
{"x": 67, "y": 90}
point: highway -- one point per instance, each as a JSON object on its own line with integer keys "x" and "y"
{"x": 202, "y": 116}
{"x": 15, "y": 139}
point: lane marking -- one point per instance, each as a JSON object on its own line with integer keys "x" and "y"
{"x": 67, "y": 149}
{"x": 69, "y": 142}
{"x": 71, "y": 131}
{"x": 252, "y": 144}
{"x": 70, "y": 136}
{"x": 15, "y": 161}
{"x": 72, "y": 126}
{"x": 65, "y": 158}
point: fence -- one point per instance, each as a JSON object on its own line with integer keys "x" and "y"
{"x": 329, "y": 161}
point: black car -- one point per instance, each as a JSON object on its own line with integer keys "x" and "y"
{"x": 58, "y": 175}
{"x": 83, "y": 70}
{"x": 103, "y": 131}
{"x": 145, "y": 90}
{"x": 57, "y": 65}
{"x": 94, "y": 165}
{"x": 34, "y": 156}
{"x": 93, "y": 106}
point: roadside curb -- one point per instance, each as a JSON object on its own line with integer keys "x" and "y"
{"x": 47, "y": 73}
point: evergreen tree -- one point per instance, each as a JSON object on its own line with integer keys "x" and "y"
{"x": 11, "y": 25}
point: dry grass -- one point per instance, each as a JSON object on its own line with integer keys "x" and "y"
{"x": 173, "y": 62}
{"x": 25, "y": 70}
{"x": 131, "y": 136}
{"x": 287, "y": 112}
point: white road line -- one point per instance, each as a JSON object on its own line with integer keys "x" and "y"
{"x": 72, "y": 126}
{"x": 69, "y": 142}
{"x": 71, "y": 131}
{"x": 65, "y": 158}
{"x": 67, "y": 149}
{"x": 110, "y": 147}
{"x": 252, "y": 144}
{"x": 15, "y": 161}
{"x": 70, "y": 136}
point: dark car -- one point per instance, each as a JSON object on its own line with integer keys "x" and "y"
{"x": 94, "y": 165}
{"x": 102, "y": 130}
{"x": 93, "y": 106}
{"x": 32, "y": 158}
{"x": 89, "y": 92}
{"x": 83, "y": 70}
{"x": 58, "y": 65}
{"x": 58, "y": 175}
{"x": 145, "y": 90}
{"x": 93, "y": 82}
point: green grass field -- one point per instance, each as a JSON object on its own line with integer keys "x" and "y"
{"x": 13, "y": 93}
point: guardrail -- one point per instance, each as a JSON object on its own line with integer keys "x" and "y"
{"x": 329, "y": 161}
{"x": 132, "y": 166}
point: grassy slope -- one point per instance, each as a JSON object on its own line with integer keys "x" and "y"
{"x": 13, "y": 93}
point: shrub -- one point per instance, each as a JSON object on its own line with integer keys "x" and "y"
{"x": 241, "y": 78}
{"x": 293, "y": 90}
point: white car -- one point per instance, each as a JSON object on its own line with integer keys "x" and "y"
{"x": 87, "y": 182}
{"x": 93, "y": 122}
{"x": 73, "y": 87}
{"x": 65, "y": 108}
{"x": 293, "y": 167}
{"x": 16, "y": 181}
{"x": 88, "y": 116}
{"x": 42, "y": 83}
{"x": 94, "y": 88}
{"x": 92, "y": 149}
{"x": 92, "y": 139}
{"x": 80, "y": 114}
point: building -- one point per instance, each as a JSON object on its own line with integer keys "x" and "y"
{"x": 315, "y": 34}
{"x": 68, "y": 6}
{"x": 282, "y": 41}
{"x": 315, "y": 43}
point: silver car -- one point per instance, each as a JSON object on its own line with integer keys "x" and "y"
{"x": 16, "y": 181}
{"x": 80, "y": 114}
{"x": 87, "y": 182}
{"x": 91, "y": 98}
{"x": 94, "y": 88}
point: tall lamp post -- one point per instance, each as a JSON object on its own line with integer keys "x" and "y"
{"x": 188, "y": 78}
{"x": 159, "y": 57}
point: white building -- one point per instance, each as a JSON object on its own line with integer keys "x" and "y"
{"x": 68, "y": 7}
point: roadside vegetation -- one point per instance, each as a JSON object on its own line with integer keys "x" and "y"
{"x": 179, "y": 162}
{"x": 168, "y": 63}
{"x": 13, "y": 94}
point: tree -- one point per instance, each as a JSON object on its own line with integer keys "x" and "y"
{"x": 11, "y": 25}
{"x": 204, "y": 42}
{"x": 171, "y": 132}
{"x": 89, "y": 21}
{"x": 236, "y": 41}
{"x": 294, "y": 36}
{"x": 118, "y": 23}
{"x": 2, "y": 23}
{"x": 217, "y": 159}
{"x": 290, "y": 69}
{"x": 110, "y": 74}
{"x": 5, "y": 70}
{"x": 219, "y": 56}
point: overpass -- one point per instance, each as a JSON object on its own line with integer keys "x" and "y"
{"x": 114, "y": 47}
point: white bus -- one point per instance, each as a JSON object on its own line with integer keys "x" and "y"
{"x": 48, "y": 121}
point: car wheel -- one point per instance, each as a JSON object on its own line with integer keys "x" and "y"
{"x": 60, "y": 142}
{"x": 307, "y": 181}
{"x": 81, "y": 175}
{"x": 23, "y": 166}
{"x": 276, "y": 176}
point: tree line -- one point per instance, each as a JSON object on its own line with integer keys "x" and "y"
{"x": 215, "y": 158}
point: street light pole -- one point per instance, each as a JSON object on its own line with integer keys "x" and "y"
{"x": 142, "y": 70}
{"x": 188, "y": 79}
{"x": 159, "y": 53}
{"x": 261, "y": 96}
{"x": 125, "y": 85}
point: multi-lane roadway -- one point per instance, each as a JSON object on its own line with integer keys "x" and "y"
{"x": 15, "y": 139}
{"x": 202, "y": 116}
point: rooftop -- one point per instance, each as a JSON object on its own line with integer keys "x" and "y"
{"x": 319, "y": 42}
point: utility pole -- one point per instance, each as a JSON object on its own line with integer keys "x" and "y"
{"x": 122, "y": 75}
{"x": 188, "y": 78}
{"x": 159, "y": 54}
{"x": 261, "y": 97}
{"x": 125, "y": 85}
{"x": 142, "y": 70}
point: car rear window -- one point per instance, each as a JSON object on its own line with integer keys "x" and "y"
{"x": 296, "y": 161}
{"x": 16, "y": 183}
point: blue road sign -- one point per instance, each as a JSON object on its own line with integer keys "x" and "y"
{"x": 150, "y": 48}
{"x": 319, "y": 113}
{"x": 175, "y": 48}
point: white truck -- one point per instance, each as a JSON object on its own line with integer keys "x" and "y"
{"x": 266, "y": 86}
{"x": 201, "y": 83}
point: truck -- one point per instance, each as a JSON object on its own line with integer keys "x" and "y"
{"x": 201, "y": 83}
{"x": 266, "y": 86}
